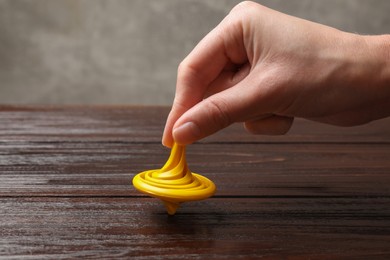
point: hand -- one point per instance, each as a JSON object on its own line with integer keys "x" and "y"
{"x": 264, "y": 68}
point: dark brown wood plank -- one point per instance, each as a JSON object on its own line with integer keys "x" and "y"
{"x": 106, "y": 169}
{"x": 140, "y": 124}
{"x": 81, "y": 124}
{"x": 213, "y": 229}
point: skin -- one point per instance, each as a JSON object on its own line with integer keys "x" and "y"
{"x": 263, "y": 68}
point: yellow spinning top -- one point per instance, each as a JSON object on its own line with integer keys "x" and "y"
{"x": 174, "y": 183}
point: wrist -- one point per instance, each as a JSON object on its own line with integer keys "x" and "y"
{"x": 378, "y": 53}
{"x": 364, "y": 71}
{"x": 379, "y": 50}
{"x": 384, "y": 50}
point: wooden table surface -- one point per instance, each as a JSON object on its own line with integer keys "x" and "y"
{"x": 320, "y": 192}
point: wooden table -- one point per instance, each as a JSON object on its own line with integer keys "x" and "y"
{"x": 320, "y": 192}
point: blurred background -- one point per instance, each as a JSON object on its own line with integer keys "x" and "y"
{"x": 127, "y": 51}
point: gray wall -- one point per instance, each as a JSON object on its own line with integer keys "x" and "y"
{"x": 127, "y": 51}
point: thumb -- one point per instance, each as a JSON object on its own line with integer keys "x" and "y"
{"x": 215, "y": 113}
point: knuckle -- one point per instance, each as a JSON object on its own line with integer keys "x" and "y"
{"x": 275, "y": 125}
{"x": 218, "y": 112}
{"x": 182, "y": 68}
{"x": 251, "y": 128}
{"x": 182, "y": 65}
{"x": 243, "y": 5}
{"x": 188, "y": 73}
{"x": 288, "y": 122}
{"x": 243, "y": 13}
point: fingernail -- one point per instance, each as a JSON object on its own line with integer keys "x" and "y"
{"x": 186, "y": 133}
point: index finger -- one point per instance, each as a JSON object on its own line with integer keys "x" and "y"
{"x": 203, "y": 65}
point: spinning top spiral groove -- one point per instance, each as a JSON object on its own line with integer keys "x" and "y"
{"x": 174, "y": 183}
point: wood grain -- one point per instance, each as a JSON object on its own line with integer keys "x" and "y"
{"x": 320, "y": 192}
{"x": 213, "y": 229}
{"x": 106, "y": 169}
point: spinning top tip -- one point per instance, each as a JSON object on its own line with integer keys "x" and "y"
{"x": 171, "y": 207}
